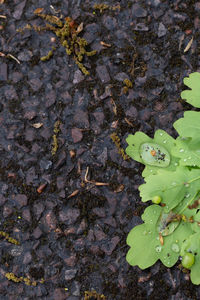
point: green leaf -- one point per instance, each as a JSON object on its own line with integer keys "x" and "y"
{"x": 192, "y": 244}
{"x": 162, "y": 143}
{"x": 175, "y": 188}
{"x": 145, "y": 243}
{"x": 192, "y": 96}
{"x": 188, "y": 153}
{"x": 189, "y": 125}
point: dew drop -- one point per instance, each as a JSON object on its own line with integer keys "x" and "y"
{"x": 187, "y": 195}
{"x": 175, "y": 248}
{"x": 181, "y": 150}
{"x": 161, "y": 134}
{"x": 185, "y": 159}
{"x": 164, "y": 142}
{"x": 187, "y": 185}
{"x": 158, "y": 249}
{"x": 176, "y": 164}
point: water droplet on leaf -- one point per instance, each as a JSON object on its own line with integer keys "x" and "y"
{"x": 175, "y": 248}
{"x": 158, "y": 249}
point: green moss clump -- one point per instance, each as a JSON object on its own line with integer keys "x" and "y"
{"x": 89, "y": 295}
{"x": 8, "y": 238}
{"x": 116, "y": 140}
{"x": 48, "y": 56}
{"x": 56, "y": 131}
{"x": 14, "y": 278}
{"x": 128, "y": 83}
{"x": 68, "y": 33}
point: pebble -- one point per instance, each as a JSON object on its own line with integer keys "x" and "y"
{"x": 162, "y": 30}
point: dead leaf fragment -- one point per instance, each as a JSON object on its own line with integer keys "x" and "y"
{"x": 79, "y": 28}
{"x": 188, "y": 45}
{"x": 38, "y": 10}
{"x": 37, "y": 125}
{"x": 105, "y": 44}
{"x": 161, "y": 239}
{"x": 41, "y": 188}
{"x": 73, "y": 194}
{"x": 119, "y": 189}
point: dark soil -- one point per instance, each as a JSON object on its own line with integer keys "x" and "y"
{"x": 73, "y": 233}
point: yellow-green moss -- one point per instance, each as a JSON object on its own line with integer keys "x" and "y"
{"x": 56, "y": 131}
{"x": 116, "y": 140}
{"x": 67, "y": 32}
{"x": 14, "y": 278}
{"x": 8, "y": 238}
{"x": 128, "y": 83}
{"x": 49, "y": 55}
{"x": 93, "y": 295}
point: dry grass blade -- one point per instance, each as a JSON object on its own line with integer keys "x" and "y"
{"x": 105, "y": 44}
{"x": 3, "y": 17}
{"x": 11, "y": 56}
{"x": 73, "y": 194}
{"x": 188, "y": 45}
{"x": 93, "y": 181}
{"x": 79, "y": 28}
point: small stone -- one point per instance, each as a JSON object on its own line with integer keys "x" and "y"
{"x": 19, "y": 10}
{"x": 81, "y": 119}
{"x": 38, "y": 209}
{"x": 37, "y": 233}
{"x": 103, "y": 74}
{"x": 99, "y": 235}
{"x": 70, "y": 274}
{"x": 132, "y": 112}
{"x": 35, "y": 84}
{"x": 29, "y": 115}
{"x": 69, "y": 216}
{"x": 78, "y": 77}
{"x": 27, "y": 258}
{"x": 71, "y": 261}
{"x": 7, "y": 211}
{"x": 162, "y": 30}
{"x": 141, "y": 27}
{"x": 25, "y": 55}
{"x": 109, "y": 22}
{"x": 76, "y": 135}
{"x": 50, "y": 220}
{"x": 3, "y": 72}
{"x": 60, "y": 294}
{"x": 50, "y": 98}
{"x": 138, "y": 11}
{"x": 109, "y": 247}
{"x": 26, "y": 215}
{"x": 21, "y": 200}
{"x": 16, "y": 250}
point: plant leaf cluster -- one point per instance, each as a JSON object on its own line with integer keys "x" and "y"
{"x": 172, "y": 173}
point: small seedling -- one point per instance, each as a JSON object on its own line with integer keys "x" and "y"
{"x": 171, "y": 228}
